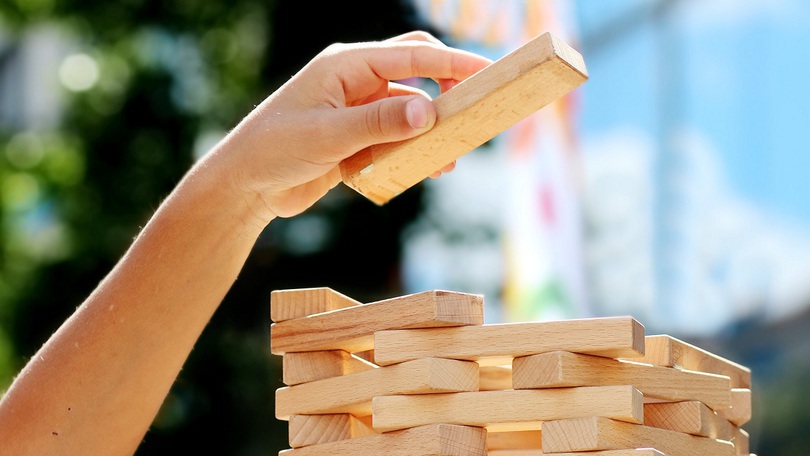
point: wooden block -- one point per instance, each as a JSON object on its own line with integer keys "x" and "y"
{"x": 493, "y": 378}
{"x": 469, "y": 115}
{"x": 352, "y": 328}
{"x": 497, "y": 344}
{"x": 740, "y": 442}
{"x": 367, "y": 355}
{"x": 523, "y": 452}
{"x": 435, "y": 440}
{"x": 509, "y": 410}
{"x": 303, "y": 367}
{"x": 302, "y": 302}
{"x": 353, "y": 393}
{"x": 560, "y": 369}
{"x": 740, "y": 411}
{"x": 630, "y": 452}
{"x": 515, "y": 440}
{"x": 690, "y": 417}
{"x": 667, "y": 351}
{"x": 305, "y": 430}
{"x": 597, "y": 433}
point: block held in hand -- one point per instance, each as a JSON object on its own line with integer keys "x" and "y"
{"x": 470, "y": 114}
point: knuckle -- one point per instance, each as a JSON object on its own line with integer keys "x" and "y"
{"x": 376, "y": 121}
{"x": 423, "y": 35}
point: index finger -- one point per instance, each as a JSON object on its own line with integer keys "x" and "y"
{"x": 406, "y": 59}
{"x": 417, "y": 35}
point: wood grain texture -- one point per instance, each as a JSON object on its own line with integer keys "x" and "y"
{"x": 352, "y": 328}
{"x": 303, "y": 367}
{"x": 667, "y": 351}
{"x": 596, "y": 433}
{"x": 515, "y": 440}
{"x": 305, "y": 430}
{"x": 630, "y": 452}
{"x": 689, "y": 417}
{"x": 510, "y": 410}
{"x": 497, "y": 344}
{"x": 741, "y": 442}
{"x": 435, "y": 440}
{"x": 740, "y": 411}
{"x": 493, "y": 378}
{"x": 560, "y": 369}
{"x": 523, "y": 452}
{"x": 353, "y": 393}
{"x": 302, "y": 302}
{"x": 470, "y": 114}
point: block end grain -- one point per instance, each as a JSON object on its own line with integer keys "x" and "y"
{"x": 569, "y": 56}
{"x": 302, "y": 302}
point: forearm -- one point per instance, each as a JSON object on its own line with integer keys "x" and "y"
{"x": 96, "y": 385}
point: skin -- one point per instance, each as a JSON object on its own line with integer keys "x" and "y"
{"x": 98, "y": 382}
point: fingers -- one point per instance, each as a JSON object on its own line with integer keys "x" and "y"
{"x": 396, "y": 90}
{"x": 417, "y": 35}
{"x": 446, "y": 169}
{"x": 394, "y": 60}
{"x": 422, "y": 59}
{"x": 444, "y": 84}
{"x": 447, "y": 84}
{"x": 386, "y": 120}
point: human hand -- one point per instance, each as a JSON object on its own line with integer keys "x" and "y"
{"x": 284, "y": 155}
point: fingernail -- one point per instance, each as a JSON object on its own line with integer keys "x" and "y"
{"x": 416, "y": 113}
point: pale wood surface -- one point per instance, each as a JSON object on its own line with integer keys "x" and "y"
{"x": 367, "y": 355}
{"x": 560, "y": 368}
{"x": 630, "y": 452}
{"x": 305, "y": 430}
{"x": 690, "y": 417}
{"x": 352, "y": 328}
{"x": 435, "y": 440}
{"x": 509, "y": 410}
{"x": 664, "y": 350}
{"x": 740, "y": 442}
{"x": 353, "y": 393}
{"x": 495, "y": 378}
{"x": 524, "y": 452}
{"x": 498, "y": 343}
{"x": 301, "y": 302}
{"x": 303, "y": 367}
{"x": 740, "y": 411}
{"x": 468, "y": 115}
{"x": 596, "y": 433}
{"x": 515, "y": 440}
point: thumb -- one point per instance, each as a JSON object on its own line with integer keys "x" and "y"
{"x": 387, "y": 120}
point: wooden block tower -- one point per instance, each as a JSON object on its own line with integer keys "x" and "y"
{"x": 422, "y": 375}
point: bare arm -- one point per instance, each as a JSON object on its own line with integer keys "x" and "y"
{"x": 97, "y": 383}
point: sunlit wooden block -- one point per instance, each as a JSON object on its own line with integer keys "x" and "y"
{"x": 596, "y": 433}
{"x": 435, "y": 440}
{"x": 353, "y": 393}
{"x": 561, "y": 369}
{"x": 497, "y": 344}
{"x": 509, "y": 410}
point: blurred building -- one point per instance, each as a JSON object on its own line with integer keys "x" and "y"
{"x": 29, "y": 95}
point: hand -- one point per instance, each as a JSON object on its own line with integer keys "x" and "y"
{"x": 284, "y": 156}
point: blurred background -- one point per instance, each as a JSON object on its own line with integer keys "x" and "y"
{"x": 672, "y": 186}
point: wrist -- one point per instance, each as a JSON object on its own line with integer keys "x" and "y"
{"x": 217, "y": 185}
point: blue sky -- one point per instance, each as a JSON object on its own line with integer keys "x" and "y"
{"x": 739, "y": 73}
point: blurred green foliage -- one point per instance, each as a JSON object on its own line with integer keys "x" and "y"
{"x": 168, "y": 78}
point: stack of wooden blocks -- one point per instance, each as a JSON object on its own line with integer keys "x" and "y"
{"x": 422, "y": 375}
